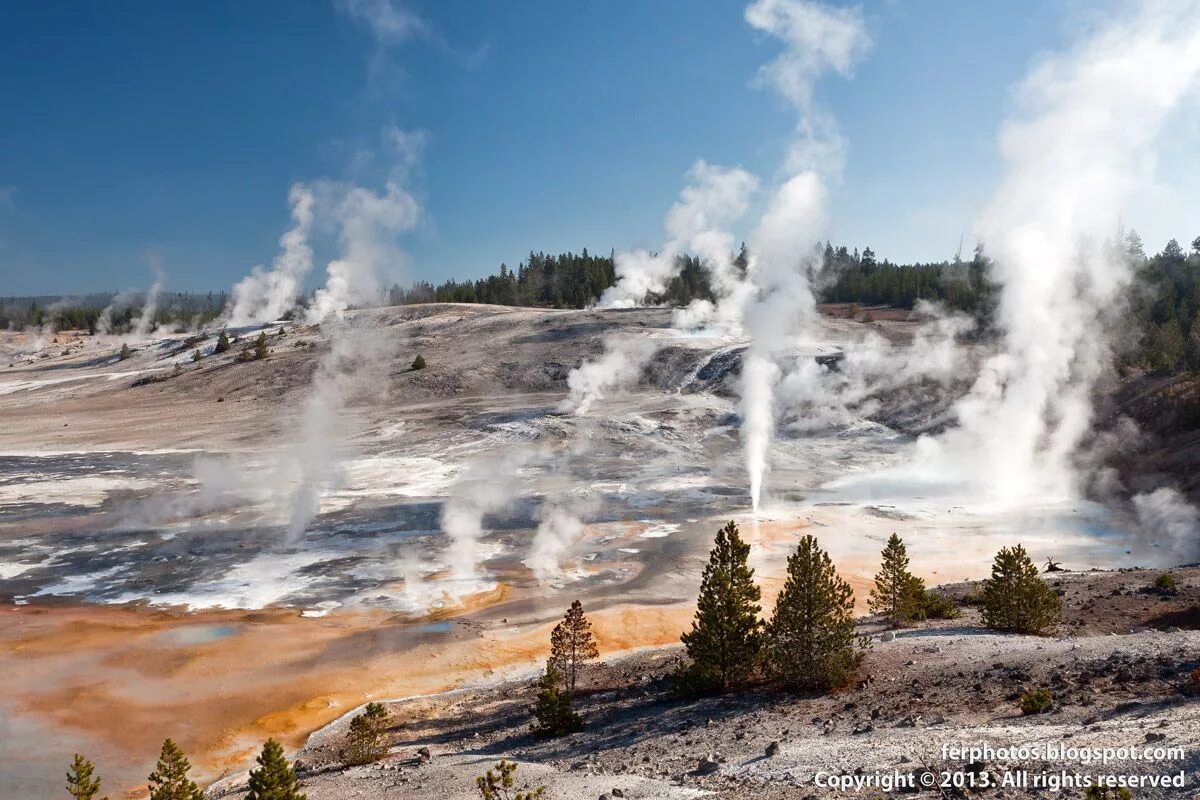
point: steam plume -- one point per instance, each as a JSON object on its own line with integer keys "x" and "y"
{"x": 266, "y": 295}
{"x": 145, "y": 321}
{"x": 714, "y": 198}
{"x": 619, "y": 366}
{"x": 1080, "y": 142}
{"x": 818, "y": 39}
{"x": 368, "y": 222}
{"x": 559, "y": 527}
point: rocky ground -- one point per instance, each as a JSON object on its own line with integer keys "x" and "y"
{"x": 1121, "y": 674}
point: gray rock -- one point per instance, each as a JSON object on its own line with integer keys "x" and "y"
{"x": 424, "y": 755}
{"x": 617, "y": 793}
{"x": 887, "y": 636}
{"x": 708, "y": 765}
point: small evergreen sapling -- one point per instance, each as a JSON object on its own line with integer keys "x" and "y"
{"x": 365, "y": 741}
{"x": 1015, "y": 599}
{"x": 499, "y": 785}
{"x": 260, "y": 346}
{"x": 553, "y": 714}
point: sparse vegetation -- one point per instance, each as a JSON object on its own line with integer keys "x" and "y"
{"x": 169, "y": 781}
{"x": 499, "y": 785}
{"x": 811, "y": 644}
{"x": 82, "y": 782}
{"x": 222, "y": 343}
{"x": 125, "y": 351}
{"x": 1016, "y": 599}
{"x": 196, "y": 356}
{"x": 553, "y": 711}
{"x": 1166, "y": 584}
{"x": 274, "y": 779}
{"x": 418, "y": 362}
{"x": 938, "y": 606}
{"x": 572, "y": 643}
{"x": 725, "y": 641}
{"x": 365, "y": 741}
{"x": 1107, "y": 793}
{"x": 898, "y": 596}
{"x": 1036, "y": 701}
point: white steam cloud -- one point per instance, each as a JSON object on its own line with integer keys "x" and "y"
{"x": 266, "y": 295}
{"x": 618, "y": 367}
{"x": 714, "y": 198}
{"x": 145, "y": 321}
{"x": 560, "y": 527}
{"x": 368, "y": 222}
{"x": 488, "y": 486}
{"x": 1080, "y": 143}
{"x": 818, "y": 39}
{"x": 1171, "y": 522}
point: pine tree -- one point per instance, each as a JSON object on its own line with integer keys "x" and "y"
{"x": 81, "y": 784}
{"x": 553, "y": 714}
{"x": 1015, "y": 598}
{"x": 572, "y": 643}
{"x": 260, "y": 346}
{"x": 811, "y": 643}
{"x": 274, "y": 779}
{"x": 898, "y": 594}
{"x": 222, "y": 343}
{"x": 726, "y": 636}
{"x": 365, "y": 741}
{"x": 169, "y": 781}
{"x": 499, "y": 785}
{"x": 125, "y": 351}
{"x": 418, "y": 362}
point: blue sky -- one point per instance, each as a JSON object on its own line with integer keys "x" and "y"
{"x": 170, "y": 132}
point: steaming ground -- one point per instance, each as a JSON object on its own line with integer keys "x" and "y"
{"x": 158, "y": 485}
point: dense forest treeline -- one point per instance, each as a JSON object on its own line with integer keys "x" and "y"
{"x": 1163, "y": 304}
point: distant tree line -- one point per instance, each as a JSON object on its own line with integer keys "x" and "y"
{"x": 1162, "y": 313}
{"x": 83, "y": 313}
{"x": 861, "y": 278}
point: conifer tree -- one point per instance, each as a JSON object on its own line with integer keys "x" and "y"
{"x": 553, "y": 714}
{"x": 726, "y": 636}
{"x": 81, "y": 783}
{"x": 365, "y": 741}
{"x": 572, "y": 643}
{"x": 274, "y": 779}
{"x": 1015, "y": 598}
{"x": 169, "y": 781}
{"x": 222, "y": 343}
{"x": 811, "y": 643}
{"x": 898, "y": 594}
{"x": 500, "y": 785}
{"x": 260, "y": 346}
{"x": 125, "y": 351}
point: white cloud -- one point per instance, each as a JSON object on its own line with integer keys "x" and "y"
{"x": 390, "y": 21}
